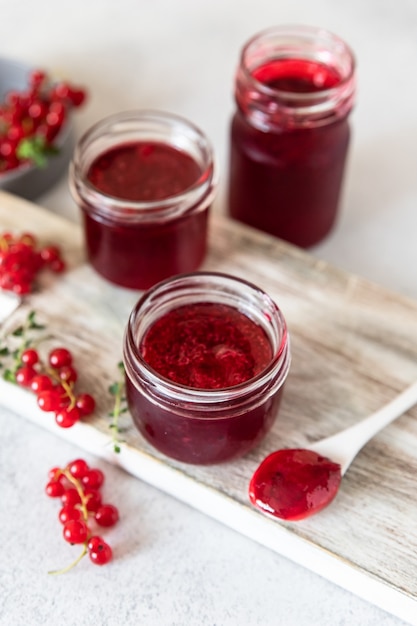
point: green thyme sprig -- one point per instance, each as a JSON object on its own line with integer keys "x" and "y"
{"x": 118, "y": 391}
{"x": 23, "y": 332}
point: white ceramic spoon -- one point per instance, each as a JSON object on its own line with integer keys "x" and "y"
{"x": 292, "y": 484}
{"x": 343, "y": 447}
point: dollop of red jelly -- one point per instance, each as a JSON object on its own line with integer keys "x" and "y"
{"x": 143, "y": 171}
{"x": 207, "y": 346}
{"x": 293, "y": 484}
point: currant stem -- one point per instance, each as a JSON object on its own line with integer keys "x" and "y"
{"x": 66, "y": 386}
{"x": 64, "y": 570}
{"x": 78, "y": 486}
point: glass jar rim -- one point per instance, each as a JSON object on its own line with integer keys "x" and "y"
{"x": 179, "y": 131}
{"x": 262, "y": 382}
{"x": 300, "y": 33}
{"x": 270, "y": 108}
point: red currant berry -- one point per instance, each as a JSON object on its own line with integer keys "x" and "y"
{"x": 66, "y": 417}
{"x": 75, "y": 531}
{"x": 30, "y": 357}
{"x": 41, "y": 382}
{"x": 70, "y": 497}
{"x": 59, "y": 357}
{"x": 67, "y": 374}
{"x": 36, "y": 78}
{"x": 49, "y": 400}
{"x": 24, "y": 375}
{"x": 85, "y": 404}
{"x": 55, "y": 474}
{"x": 57, "y": 266}
{"x": 93, "y": 479}
{"x": 93, "y": 500}
{"x": 68, "y": 513}
{"x": 49, "y": 254}
{"x": 54, "y": 489}
{"x": 99, "y": 551}
{"x": 78, "y": 468}
{"x": 107, "y": 515}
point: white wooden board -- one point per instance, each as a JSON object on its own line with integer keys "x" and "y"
{"x": 354, "y": 347}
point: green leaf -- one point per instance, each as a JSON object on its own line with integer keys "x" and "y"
{"x": 4, "y": 351}
{"x": 114, "y": 389}
{"x": 116, "y": 448}
{"x": 9, "y": 376}
{"x": 35, "y": 149}
{"x": 18, "y": 332}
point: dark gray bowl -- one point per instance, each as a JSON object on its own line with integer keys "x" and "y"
{"x": 29, "y": 181}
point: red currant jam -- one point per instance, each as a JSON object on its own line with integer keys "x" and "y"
{"x": 206, "y": 357}
{"x": 207, "y": 346}
{"x": 138, "y": 255}
{"x": 144, "y": 201}
{"x": 143, "y": 172}
{"x": 286, "y": 172}
{"x": 294, "y": 484}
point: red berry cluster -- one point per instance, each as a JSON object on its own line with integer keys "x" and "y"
{"x": 54, "y": 385}
{"x": 21, "y": 260}
{"x": 30, "y": 120}
{"x": 78, "y": 488}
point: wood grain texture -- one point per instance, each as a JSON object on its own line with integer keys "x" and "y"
{"x": 354, "y": 346}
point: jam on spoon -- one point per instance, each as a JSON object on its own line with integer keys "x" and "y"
{"x": 292, "y": 484}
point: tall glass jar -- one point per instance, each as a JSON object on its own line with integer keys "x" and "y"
{"x": 294, "y": 91}
{"x": 144, "y": 181}
{"x": 212, "y": 421}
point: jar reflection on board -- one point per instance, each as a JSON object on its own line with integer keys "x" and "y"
{"x": 294, "y": 90}
{"x": 206, "y": 357}
{"x": 144, "y": 181}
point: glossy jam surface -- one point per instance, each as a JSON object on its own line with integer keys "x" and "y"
{"x": 294, "y": 484}
{"x": 137, "y": 254}
{"x": 207, "y": 346}
{"x": 297, "y": 75}
{"x": 143, "y": 172}
{"x": 288, "y": 181}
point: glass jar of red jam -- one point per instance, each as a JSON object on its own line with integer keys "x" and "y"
{"x": 206, "y": 356}
{"x": 144, "y": 181}
{"x": 294, "y": 91}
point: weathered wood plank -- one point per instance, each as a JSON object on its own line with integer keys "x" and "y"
{"x": 354, "y": 347}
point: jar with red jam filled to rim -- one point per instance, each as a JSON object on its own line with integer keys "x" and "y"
{"x": 144, "y": 181}
{"x": 206, "y": 356}
{"x": 294, "y": 90}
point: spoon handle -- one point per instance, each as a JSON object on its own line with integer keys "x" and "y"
{"x": 344, "y": 446}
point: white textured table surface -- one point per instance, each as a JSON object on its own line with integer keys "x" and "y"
{"x": 173, "y": 565}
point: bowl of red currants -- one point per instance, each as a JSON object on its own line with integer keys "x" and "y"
{"x": 36, "y": 129}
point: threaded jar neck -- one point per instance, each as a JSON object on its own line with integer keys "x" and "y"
{"x": 143, "y": 126}
{"x": 295, "y": 77}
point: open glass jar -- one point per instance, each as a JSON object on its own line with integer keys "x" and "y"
{"x": 294, "y": 90}
{"x": 144, "y": 181}
{"x": 206, "y": 357}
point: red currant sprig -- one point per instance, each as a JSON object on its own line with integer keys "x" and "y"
{"x": 21, "y": 259}
{"x": 54, "y": 385}
{"x": 30, "y": 120}
{"x": 78, "y": 487}
{"x": 53, "y": 382}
